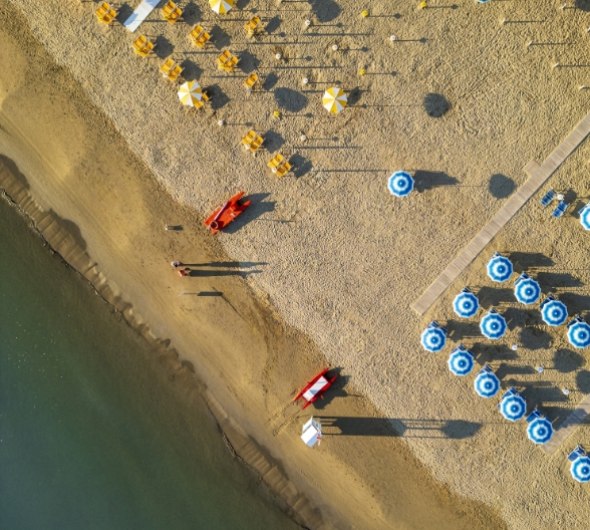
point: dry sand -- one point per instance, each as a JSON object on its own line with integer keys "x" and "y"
{"x": 339, "y": 258}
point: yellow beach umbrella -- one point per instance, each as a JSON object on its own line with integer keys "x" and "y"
{"x": 221, "y": 7}
{"x": 191, "y": 94}
{"x": 334, "y": 100}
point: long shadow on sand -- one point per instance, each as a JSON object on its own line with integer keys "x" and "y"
{"x": 406, "y": 427}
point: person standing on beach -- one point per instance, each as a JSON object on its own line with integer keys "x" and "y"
{"x": 176, "y": 264}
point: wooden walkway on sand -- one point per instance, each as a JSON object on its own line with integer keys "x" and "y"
{"x": 571, "y": 423}
{"x": 538, "y": 175}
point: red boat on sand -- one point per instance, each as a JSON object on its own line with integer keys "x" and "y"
{"x": 226, "y": 213}
{"x": 315, "y": 388}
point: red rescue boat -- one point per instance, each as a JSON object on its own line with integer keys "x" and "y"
{"x": 226, "y": 213}
{"x": 315, "y": 388}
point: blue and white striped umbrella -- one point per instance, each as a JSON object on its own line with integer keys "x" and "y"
{"x": 486, "y": 383}
{"x": 460, "y": 361}
{"x": 578, "y": 334}
{"x": 513, "y": 406}
{"x": 585, "y": 217}
{"x": 540, "y": 430}
{"x": 465, "y": 304}
{"x": 580, "y": 469}
{"x": 527, "y": 290}
{"x": 433, "y": 338}
{"x": 400, "y": 184}
{"x": 493, "y": 325}
{"x": 500, "y": 268}
{"x": 553, "y": 312}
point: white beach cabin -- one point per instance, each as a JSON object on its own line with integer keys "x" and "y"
{"x": 312, "y": 433}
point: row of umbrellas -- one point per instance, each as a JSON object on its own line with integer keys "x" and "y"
{"x": 513, "y": 406}
{"x": 493, "y": 326}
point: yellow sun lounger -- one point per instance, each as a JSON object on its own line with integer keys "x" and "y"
{"x": 142, "y": 46}
{"x": 279, "y": 166}
{"x": 170, "y": 70}
{"x": 171, "y": 12}
{"x": 199, "y": 36}
{"x": 105, "y": 13}
{"x": 227, "y": 62}
{"x": 253, "y": 27}
{"x": 252, "y": 141}
{"x": 251, "y": 81}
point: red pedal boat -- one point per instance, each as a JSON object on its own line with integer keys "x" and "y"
{"x": 226, "y": 213}
{"x": 315, "y": 388}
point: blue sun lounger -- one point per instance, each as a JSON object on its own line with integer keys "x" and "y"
{"x": 576, "y": 453}
{"x": 547, "y": 198}
{"x": 560, "y": 209}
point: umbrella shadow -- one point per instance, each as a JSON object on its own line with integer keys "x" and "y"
{"x": 487, "y": 353}
{"x": 460, "y": 329}
{"x": 583, "y": 381}
{"x": 192, "y": 13}
{"x": 501, "y": 186}
{"x": 527, "y": 260}
{"x": 576, "y": 303}
{"x": 301, "y": 165}
{"x": 218, "y": 97}
{"x": 553, "y": 280}
{"x": 163, "y": 47}
{"x": 436, "y": 105}
{"x": 535, "y": 338}
{"x": 325, "y": 10}
{"x": 506, "y": 370}
{"x": 520, "y": 318}
{"x": 494, "y": 296}
{"x": 190, "y": 70}
{"x": 566, "y": 360}
{"x": 426, "y": 180}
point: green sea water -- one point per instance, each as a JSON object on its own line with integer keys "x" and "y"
{"x": 92, "y": 435}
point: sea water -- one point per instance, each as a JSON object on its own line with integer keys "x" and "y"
{"x": 91, "y": 434}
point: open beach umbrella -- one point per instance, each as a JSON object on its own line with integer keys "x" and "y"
{"x": 500, "y": 268}
{"x": 486, "y": 383}
{"x": 465, "y": 304}
{"x": 190, "y": 94}
{"x": 334, "y": 100}
{"x": 527, "y": 291}
{"x": 513, "y": 406}
{"x": 585, "y": 217}
{"x": 493, "y": 325}
{"x": 400, "y": 184}
{"x": 553, "y": 312}
{"x": 433, "y": 338}
{"x": 540, "y": 430}
{"x": 221, "y": 7}
{"x": 580, "y": 469}
{"x": 578, "y": 333}
{"x": 460, "y": 361}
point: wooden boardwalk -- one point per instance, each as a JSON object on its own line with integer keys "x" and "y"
{"x": 571, "y": 423}
{"x": 538, "y": 175}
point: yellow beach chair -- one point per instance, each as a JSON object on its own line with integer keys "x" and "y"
{"x": 170, "y": 70}
{"x": 142, "y": 46}
{"x": 251, "y": 81}
{"x": 253, "y": 27}
{"x": 278, "y": 165}
{"x": 106, "y": 14}
{"x": 227, "y": 61}
{"x": 171, "y": 12}
{"x": 199, "y": 36}
{"x": 252, "y": 141}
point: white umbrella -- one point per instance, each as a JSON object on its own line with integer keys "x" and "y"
{"x": 221, "y": 7}
{"x": 334, "y": 100}
{"x": 191, "y": 94}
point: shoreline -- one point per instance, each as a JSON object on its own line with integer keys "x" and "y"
{"x": 59, "y": 240}
{"x": 401, "y": 507}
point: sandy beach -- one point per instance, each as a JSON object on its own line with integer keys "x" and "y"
{"x": 324, "y": 268}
